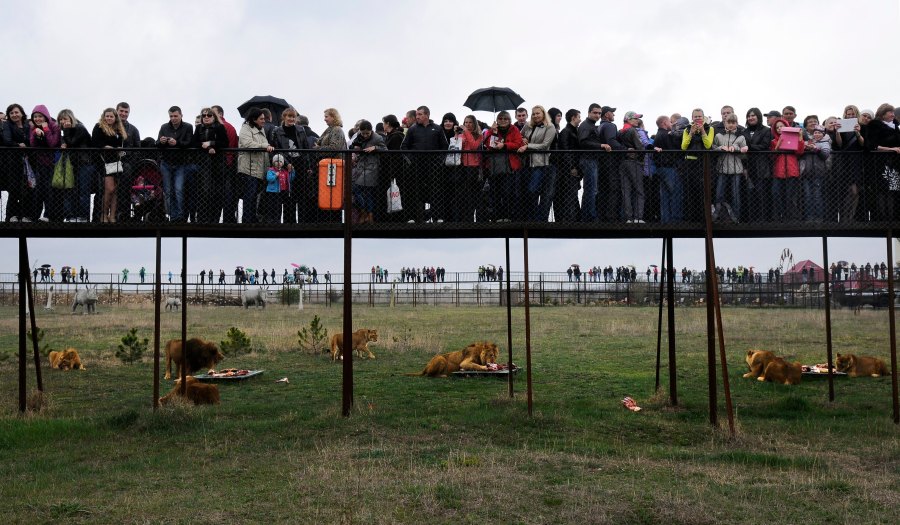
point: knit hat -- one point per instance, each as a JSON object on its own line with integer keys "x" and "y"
{"x": 278, "y": 158}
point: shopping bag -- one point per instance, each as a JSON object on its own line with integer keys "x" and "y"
{"x": 394, "y": 204}
{"x": 63, "y": 174}
{"x": 454, "y": 159}
{"x": 30, "y": 177}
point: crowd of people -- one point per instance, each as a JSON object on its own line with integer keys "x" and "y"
{"x": 533, "y": 167}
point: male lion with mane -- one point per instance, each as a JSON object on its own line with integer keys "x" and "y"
{"x": 200, "y": 354}
{"x": 68, "y": 359}
{"x": 476, "y": 356}
{"x": 361, "y": 339}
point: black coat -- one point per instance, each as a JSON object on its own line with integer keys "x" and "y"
{"x": 281, "y": 141}
{"x": 759, "y": 165}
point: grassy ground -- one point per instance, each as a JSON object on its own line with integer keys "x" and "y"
{"x": 452, "y": 450}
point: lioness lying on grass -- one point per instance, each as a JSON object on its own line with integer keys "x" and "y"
{"x": 474, "y": 357}
{"x": 863, "y": 365}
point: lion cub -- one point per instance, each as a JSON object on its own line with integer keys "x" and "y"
{"x": 68, "y": 359}
{"x": 861, "y": 366}
{"x": 757, "y": 361}
{"x": 361, "y": 340}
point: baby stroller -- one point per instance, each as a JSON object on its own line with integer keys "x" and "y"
{"x": 147, "y": 192}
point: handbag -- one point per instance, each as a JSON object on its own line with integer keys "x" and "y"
{"x": 30, "y": 177}
{"x": 114, "y": 168}
{"x": 63, "y": 174}
{"x": 394, "y": 203}
{"x": 892, "y": 177}
{"x": 454, "y": 159}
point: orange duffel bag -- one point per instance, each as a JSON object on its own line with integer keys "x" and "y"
{"x": 331, "y": 184}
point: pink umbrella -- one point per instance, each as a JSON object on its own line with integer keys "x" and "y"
{"x": 295, "y": 265}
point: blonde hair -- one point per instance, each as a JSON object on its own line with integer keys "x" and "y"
{"x": 531, "y": 121}
{"x": 116, "y": 128}
{"x": 67, "y": 113}
{"x": 287, "y": 112}
{"x": 854, "y": 108}
{"x": 333, "y": 113}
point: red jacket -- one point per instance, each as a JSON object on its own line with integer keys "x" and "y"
{"x": 786, "y": 165}
{"x": 471, "y": 143}
{"x": 511, "y": 143}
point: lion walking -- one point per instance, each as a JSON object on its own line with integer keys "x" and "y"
{"x": 360, "y": 342}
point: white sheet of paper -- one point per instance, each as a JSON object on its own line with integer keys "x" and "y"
{"x": 847, "y": 124}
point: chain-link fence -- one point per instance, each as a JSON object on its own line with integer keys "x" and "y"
{"x": 812, "y": 189}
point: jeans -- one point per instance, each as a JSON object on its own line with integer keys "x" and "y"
{"x": 84, "y": 183}
{"x": 784, "y": 199}
{"x": 632, "y": 184}
{"x": 671, "y": 195}
{"x": 734, "y": 181}
{"x": 249, "y": 188}
{"x": 541, "y": 189}
{"x": 174, "y": 176}
{"x": 814, "y": 206}
{"x": 589, "y": 169}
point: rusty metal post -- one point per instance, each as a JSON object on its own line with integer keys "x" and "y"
{"x": 509, "y": 347}
{"x": 662, "y": 283}
{"x": 828, "y": 346}
{"x": 347, "y": 390}
{"x": 713, "y": 292}
{"x": 34, "y": 330}
{"x": 184, "y": 348}
{"x": 894, "y": 401}
{"x": 23, "y": 355}
{"x": 670, "y": 284}
{"x": 157, "y": 296}
{"x": 710, "y": 315}
{"x": 527, "y": 325}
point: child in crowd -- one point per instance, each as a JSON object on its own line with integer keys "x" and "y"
{"x": 278, "y": 189}
{"x": 814, "y": 166}
{"x": 729, "y": 169}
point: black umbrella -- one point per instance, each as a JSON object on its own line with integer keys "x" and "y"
{"x": 274, "y": 104}
{"x": 493, "y": 99}
{"x": 45, "y": 266}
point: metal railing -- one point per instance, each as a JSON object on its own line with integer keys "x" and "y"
{"x": 618, "y": 190}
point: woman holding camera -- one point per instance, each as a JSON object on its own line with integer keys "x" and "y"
{"x": 504, "y": 141}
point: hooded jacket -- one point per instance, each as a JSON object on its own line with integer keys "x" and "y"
{"x": 785, "y": 165}
{"x": 50, "y": 138}
{"x": 816, "y": 163}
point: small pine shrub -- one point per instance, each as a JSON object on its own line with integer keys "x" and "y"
{"x": 237, "y": 343}
{"x": 43, "y": 349}
{"x": 132, "y": 349}
{"x": 315, "y": 338}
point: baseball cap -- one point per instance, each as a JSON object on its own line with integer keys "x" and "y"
{"x": 773, "y": 113}
{"x": 631, "y": 114}
{"x": 607, "y": 109}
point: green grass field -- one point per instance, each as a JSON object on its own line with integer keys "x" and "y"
{"x": 421, "y": 450}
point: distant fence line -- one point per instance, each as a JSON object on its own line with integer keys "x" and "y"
{"x": 463, "y": 289}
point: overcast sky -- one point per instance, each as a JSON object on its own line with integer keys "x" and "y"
{"x": 369, "y": 59}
